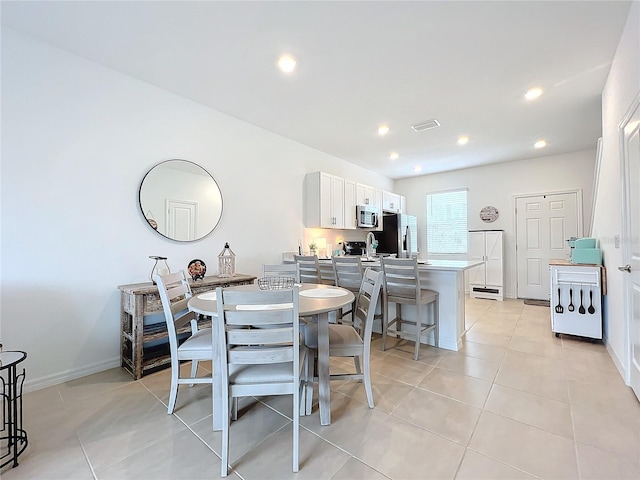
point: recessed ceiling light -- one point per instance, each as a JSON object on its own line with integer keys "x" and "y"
{"x": 463, "y": 140}
{"x": 393, "y": 156}
{"x": 383, "y": 129}
{"x": 533, "y": 93}
{"x": 287, "y": 63}
{"x": 540, "y": 144}
{"x": 417, "y": 168}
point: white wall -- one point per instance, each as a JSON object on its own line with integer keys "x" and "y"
{"x": 496, "y": 185}
{"x": 623, "y": 85}
{"x": 77, "y": 139}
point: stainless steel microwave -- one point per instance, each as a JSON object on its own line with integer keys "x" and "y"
{"x": 367, "y": 216}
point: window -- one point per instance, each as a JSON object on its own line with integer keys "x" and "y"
{"x": 447, "y": 222}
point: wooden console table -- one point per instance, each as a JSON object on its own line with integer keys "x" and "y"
{"x": 145, "y": 347}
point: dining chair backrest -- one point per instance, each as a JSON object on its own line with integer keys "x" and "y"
{"x": 174, "y": 292}
{"x": 309, "y": 268}
{"x": 347, "y": 272}
{"x": 366, "y": 301}
{"x": 258, "y": 351}
{"x": 282, "y": 270}
{"x": 402, "y": 278}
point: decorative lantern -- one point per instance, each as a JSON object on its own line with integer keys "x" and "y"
{"x": 226, "y": 262}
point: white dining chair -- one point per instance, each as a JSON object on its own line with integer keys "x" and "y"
{"x": 402, "y": 287}
{"x": 174, "y": 293}
{"x": 309, "y": 268}
{"x": 354, "y": 340}
{"x": 258, "y": 351}
{"x": 348, "y": 274}
{"x": 282, "y": 270}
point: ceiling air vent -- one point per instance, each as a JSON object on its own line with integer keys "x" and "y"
{"x": 428, "y": 125}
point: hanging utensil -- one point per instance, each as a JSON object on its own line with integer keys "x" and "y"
{"x": 559, "y": 307}
{"x": 591, "y": 309}
{"x": 571, "y": 308}
{"x": 581, "y": 310}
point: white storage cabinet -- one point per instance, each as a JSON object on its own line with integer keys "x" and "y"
{"x": 576, "y": 300}
{"x": 487, "y": 280}
{"x": 324, "y": 201}
{"x": 390, "y": 202}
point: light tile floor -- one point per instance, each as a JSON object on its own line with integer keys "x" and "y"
{"x": 515, "y": 403}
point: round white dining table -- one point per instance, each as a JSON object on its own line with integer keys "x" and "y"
{"x": 316, "y": 301}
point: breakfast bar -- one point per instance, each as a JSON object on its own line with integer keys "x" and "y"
{"x": 445, "y": 277}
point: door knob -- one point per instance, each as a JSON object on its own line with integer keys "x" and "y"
{"x": 626, "y": 268}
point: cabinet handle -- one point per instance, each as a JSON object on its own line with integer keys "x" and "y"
{"x": 626, "y": 268}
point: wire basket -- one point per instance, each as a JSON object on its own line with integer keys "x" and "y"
{"x": 276, "y": 283}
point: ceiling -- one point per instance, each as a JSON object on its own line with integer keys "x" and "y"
{"x": 361, "y": 64}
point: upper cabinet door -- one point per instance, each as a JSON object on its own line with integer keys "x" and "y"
{"x": 324, "y": 201}
{"x": 391, "y": 202}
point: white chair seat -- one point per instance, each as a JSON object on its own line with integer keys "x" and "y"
{"x": 275, "y": 372}
{"x": 197, "y": 346}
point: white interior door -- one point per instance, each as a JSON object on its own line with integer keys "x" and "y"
{"x": 631, "y": 253}
{"x": 181, "y": 219}
{"x": 543, "y": 225}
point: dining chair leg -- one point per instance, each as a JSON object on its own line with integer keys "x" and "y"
{"x": 367, "y": 382}
{"x": 308, "y": 401}
{"x": 194, "y": 370}
{"x": 296, "y": 429}
{"x": 356, "y": 362}
{"x": 385, "y": 324}
{"x": 436, "y": 319}
{"x": 416, "y": 352}
{"x": 224, "y": 410}
{"x": 173, "y": 392}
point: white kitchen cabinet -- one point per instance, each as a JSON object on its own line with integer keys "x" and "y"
{"x": 367, "y": 195}
{"x": 390, "y": 202}
{"x": 487, "y": 280}
{"x": 372, "y": 196}
{"x": 350, "y": 202}
{"x": 324, "y": 201}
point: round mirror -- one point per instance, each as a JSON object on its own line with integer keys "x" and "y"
{"x": 180, "y": 200}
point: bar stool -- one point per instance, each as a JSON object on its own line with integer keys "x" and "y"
{"x": 402, "y": 287}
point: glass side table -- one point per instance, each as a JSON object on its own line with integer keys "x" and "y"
{"x": 13, "y": 437}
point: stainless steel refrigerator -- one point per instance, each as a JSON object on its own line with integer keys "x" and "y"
{"x": 399, "y": 235}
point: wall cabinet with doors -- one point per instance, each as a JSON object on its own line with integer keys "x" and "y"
{"x": 391, "y": 202}
{"x": 324, "y": 201}
{"x": 487, "y": 280}
{"x": 372, "y": 196}
{"x": 350, "y": 202}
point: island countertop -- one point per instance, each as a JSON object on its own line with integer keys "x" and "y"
{"x": 449, "y": 265}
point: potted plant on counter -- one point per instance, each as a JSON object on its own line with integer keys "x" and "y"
{"x": 313, "y": 248}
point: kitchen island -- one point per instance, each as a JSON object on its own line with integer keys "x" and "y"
{"x": 445, "y": 277}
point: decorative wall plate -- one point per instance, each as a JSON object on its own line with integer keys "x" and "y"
{"x": 489, "y": 214}
{"x": 197, "y": 268}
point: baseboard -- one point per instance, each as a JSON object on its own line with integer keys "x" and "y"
{"x": 616, "y": 361}
{"x": 68, "y": 375}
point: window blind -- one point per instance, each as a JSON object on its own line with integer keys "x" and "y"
{"x": 447, "y": 222}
